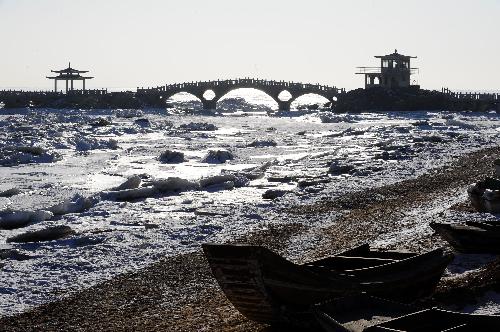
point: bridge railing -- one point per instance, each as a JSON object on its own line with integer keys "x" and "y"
{"x": 31, "y": 93}
{"x": 239, "y": 82}
{"x": 93, "y": 92}
{"x": 471, "y": 95}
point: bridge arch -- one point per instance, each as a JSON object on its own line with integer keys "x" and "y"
{"x": 256, "y": 91}
{"x": 209, "y": 94}
{"x": 223, "y": 93}
{"x": 309, "y": 95}
{"x": 285, "y": 96}
{"x": 192, "y": 97}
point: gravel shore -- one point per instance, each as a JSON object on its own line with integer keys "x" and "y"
{"x": 179, "y": 294}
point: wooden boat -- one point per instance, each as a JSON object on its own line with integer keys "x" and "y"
{"x": 267, "y": 288}
{"x": 369, "y": 314}
{"x": 485, "y": 195}
{"x": 472, "y": 237}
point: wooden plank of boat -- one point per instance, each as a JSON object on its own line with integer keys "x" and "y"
{"x": 438, "y": 320}
{"x": 356, "y": 313}
{"x": 278, "y": 291}
{"x": 472, "y": 238}
{"x": 370, "y": 314}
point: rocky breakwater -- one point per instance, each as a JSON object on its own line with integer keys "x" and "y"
{"x": 408, "y": 99}
{"x": 111, "y": 100}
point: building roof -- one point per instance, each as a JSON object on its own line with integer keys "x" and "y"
{"x": 69, "y": 77}
{"x": 395, "y": 56}
{"x": 69, "y": 70}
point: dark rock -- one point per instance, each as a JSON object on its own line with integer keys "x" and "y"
{"x": 143, "y": 122}
{"x": 10, "y": 192}
{"x": 198, "y": 126}
{"x": 101, "y": 122}
{"x": 338, "y": 169}
{"x": 217, "y": 157}
{"x": 13, "y": 254}
{"x": 47, "y": 234}
{"x": 262, "y": 143}
{"x": 172, "y": 157}
{"x": 273, "y": 193}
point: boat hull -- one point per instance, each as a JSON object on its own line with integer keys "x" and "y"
{"x": 470, "y": 239}
{"x": 267, "y": 288}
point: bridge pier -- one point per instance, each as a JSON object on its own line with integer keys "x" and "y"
{"x": 209, "y": 104}
{"x": 284, "y": 105}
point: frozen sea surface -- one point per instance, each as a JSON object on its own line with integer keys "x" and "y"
{"x": 94, "y": 151}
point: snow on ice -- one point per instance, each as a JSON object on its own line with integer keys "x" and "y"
{"x": 111, "y": 191}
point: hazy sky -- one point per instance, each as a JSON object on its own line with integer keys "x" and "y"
{"x": 129, "y": 43}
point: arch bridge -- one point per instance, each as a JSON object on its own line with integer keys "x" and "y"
{"x": 221, "y": 88}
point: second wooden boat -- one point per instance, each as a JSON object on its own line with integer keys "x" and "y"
{"x": 471, "y": 238}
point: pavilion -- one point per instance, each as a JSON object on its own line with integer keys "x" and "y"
{"x": 69, "y": 75}
{"x": 394, "y": 72}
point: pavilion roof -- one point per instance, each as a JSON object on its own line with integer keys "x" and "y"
{"x": 69, "y": 70}
{"x": 69, "y": 77}
{"x": 395, "y": 56}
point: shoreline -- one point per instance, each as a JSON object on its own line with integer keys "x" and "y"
{"x": 179, "y": 294}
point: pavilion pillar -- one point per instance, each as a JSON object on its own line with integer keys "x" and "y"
{"x": 66, "y": 86}
{"x": 71, "y": 85}
{"x": 55, "y": 85}
{"x": 84, "y": 85}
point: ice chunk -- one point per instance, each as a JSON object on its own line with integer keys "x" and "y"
{"x": 85, "y": 143}
{"x": 101, "y": 122}
{"x": 198, "y": 126}
{"x": 338, "y": 169}
{"x": 16, "y": 219}
{"x": 143, "y": 122}
{"x": 76, "y": 204}
{"x": 15, "y": 155}
{"x": 217, "y": 157}
{"x": 227, "y": 185}
{"x": 130, "y": 194}
{"x": 128, "y": 113}
{"x": 217, "y": 179}
{"x": 41, "y": 215}
{"x": 328, "y": 117}
{"x": 174, "y": 184}
{"x": 459, "y": 123}
{"x": 131, "y": 183}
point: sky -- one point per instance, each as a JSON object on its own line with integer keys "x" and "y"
{"x": 128, "y": 44}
